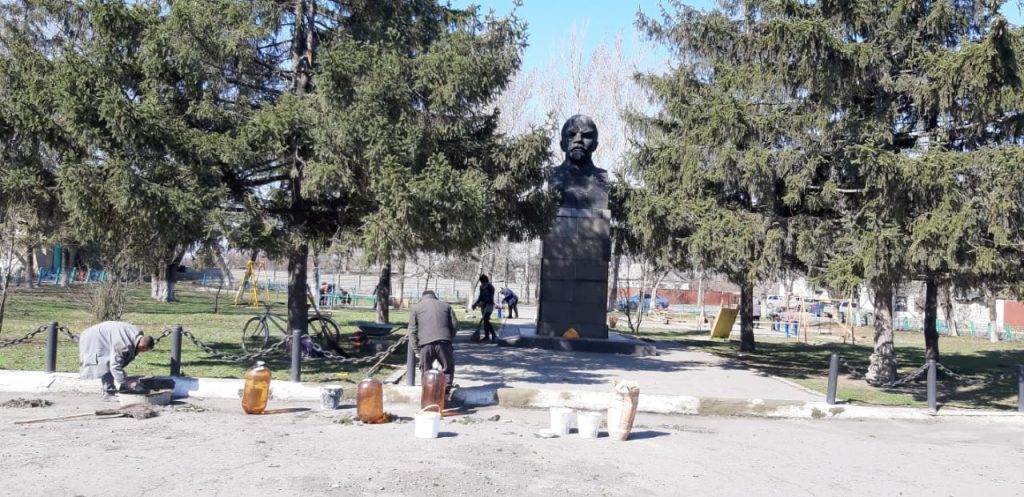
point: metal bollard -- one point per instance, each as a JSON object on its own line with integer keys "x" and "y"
{"x": 51, "y": 347}
{"x": 932, "y": 406}
{"x": 296, "y": 355}
{"x": 176, "y": 351}
{"x": 1020, "y": 388}
{"x": 410, "y": 364}
{"x": 833, "y": 378}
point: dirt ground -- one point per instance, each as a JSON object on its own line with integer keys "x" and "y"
{"x": 210, "y": 448}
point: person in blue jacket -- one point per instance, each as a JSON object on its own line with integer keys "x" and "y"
{"x": 510, "y": 299}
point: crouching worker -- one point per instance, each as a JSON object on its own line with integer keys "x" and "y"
{"x": 106, "y": 348}
{"x": 432, "y": 328}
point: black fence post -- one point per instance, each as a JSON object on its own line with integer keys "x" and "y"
{"x": 833, "y": 378}
{"x": 410, "y": 364}
{"x": 176, "y": 351}
{"x": 51, "y": 347}
{"x": 296, "y": 355}
{"x": 932, "y": 404}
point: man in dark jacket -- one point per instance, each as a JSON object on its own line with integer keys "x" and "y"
{"x": 432, "y": 327}
{"x": 485, "y": 301}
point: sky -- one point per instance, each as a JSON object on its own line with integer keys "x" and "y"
{"x": 549, "y": 21}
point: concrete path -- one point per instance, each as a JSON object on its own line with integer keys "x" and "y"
{"x": 677, "y": 371}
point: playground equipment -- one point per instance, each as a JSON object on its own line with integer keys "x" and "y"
{"x": 250, "y": 279}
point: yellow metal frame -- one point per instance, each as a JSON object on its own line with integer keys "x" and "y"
{"x": 251, "y": 277}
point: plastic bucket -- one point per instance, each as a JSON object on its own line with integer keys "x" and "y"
{"x": 561, "y": 420}
{"x": 427, "y": 422}
{"x": 330, "y": 397}
{"x": 589, "y": 424}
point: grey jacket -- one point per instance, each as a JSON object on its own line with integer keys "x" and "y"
{"x": 107, "y": 348}
{"x": 431, "y": 320}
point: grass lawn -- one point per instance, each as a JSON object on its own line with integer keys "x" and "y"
{"x": 27, "y": 309}
{"x": 807, "y": 364}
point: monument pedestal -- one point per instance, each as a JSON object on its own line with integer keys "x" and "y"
{"x": 574, "y": 275}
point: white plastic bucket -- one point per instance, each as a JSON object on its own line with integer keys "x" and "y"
{"x": 561, "y": 420}
{"x": 330, "y": 397}
{"x": 589, "y": 424}
{"x": 428, "y": 422}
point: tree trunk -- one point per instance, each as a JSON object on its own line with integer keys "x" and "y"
{"x": 303, "y": 46}
{"x": 5, "y": 282}
{"x": 504, "y": 277}
{"x": 993, "y": 315}
{"x": 383, "y": 292}
{"x": 882, "y": 368}
{"x": 66, "y": 272}
{"x": 931, "y": 317}
{"x": 165, "y": 277}
{"x": 747, "y": 317}
{"x": 225, "y": 270}
{"x": 526, "y": 271}
{"x": 30, "y": 265}
{"x": 700, "y": 298}
{"x": 401, "y": 282}
{"x": 426, "y": 283}
{"x": 947, "y": 310}
{"x": 298, "y": 302}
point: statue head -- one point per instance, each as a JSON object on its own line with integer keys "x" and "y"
{"x": 579, "y": 139}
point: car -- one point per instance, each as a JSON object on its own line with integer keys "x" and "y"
{"x": 634, "y": 302}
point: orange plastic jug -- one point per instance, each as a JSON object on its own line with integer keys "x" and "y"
{"x": 257, "y": 389}
{"x": 370, "y": 401}
{"x": 434, "y": 383}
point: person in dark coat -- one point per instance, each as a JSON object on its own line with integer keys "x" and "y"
{"x": 106, "y": 348}
{"x": 510, "y": 299}
{"x": 485, "y": 301}
{"x": 432, "y": 328}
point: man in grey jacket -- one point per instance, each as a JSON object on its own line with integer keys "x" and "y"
{"x": 432, "y": 327}
{"x": 106, "y": 348}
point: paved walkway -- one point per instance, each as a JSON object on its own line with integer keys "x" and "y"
{"x": 678, "y": 370}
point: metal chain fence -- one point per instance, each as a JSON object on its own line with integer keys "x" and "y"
{"x": 27, "y": 338}
{"x": 921, "y": 371}
{"x": 325, "y": 354}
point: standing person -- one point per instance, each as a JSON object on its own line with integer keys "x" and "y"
{"x": 511, "y": 300}
{"x": 106, "y": 348}
{"x": 485, "y": 301}
{"x": 432, "y": 327}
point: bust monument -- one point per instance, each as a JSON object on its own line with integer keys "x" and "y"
{"x": 582, "y": 185}
{"x": 574, "y": 267}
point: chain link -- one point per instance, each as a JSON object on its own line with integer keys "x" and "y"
{"x": 71, "y": 336}
{"x": 236, "y": 358}
{"x": 28, "y": 337}
{"x": 967, "y": 380}
{"x": 359, "y": 360}
{"x": 921, "y": 371}
{"x": 164, "y": 334}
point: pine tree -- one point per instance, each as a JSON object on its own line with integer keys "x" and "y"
{"x": 299, "y": 120}
{"x": 891, "y": 126}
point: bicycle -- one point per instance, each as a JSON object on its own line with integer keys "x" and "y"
{"x": 322, "y": 329}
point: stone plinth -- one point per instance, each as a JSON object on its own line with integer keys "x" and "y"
{"x": 574, "y": 274}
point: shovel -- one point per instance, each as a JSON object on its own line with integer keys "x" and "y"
{"x": 137, "y": 411}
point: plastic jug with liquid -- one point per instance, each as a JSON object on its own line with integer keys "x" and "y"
{"x": 370, "y": 401}
{"x": 257, "y": 389}
{"x": 434, "y": 383}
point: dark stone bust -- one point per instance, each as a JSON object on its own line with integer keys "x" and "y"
{"x": 582, "y": 185}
